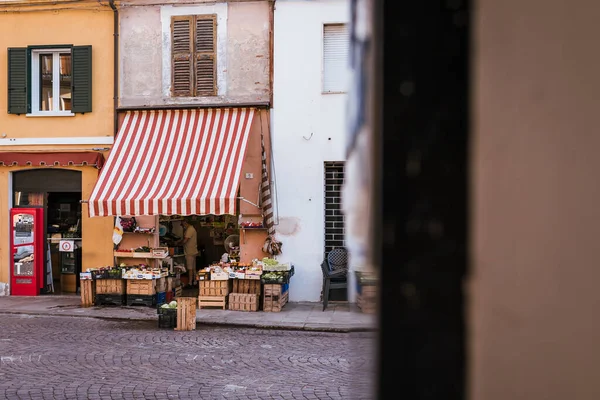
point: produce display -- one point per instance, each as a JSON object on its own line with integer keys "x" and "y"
{"x": 172, "y": 304}
{"x": 270, "y": 264}
{"x": 275, "y": 277}
{"x": 109, "y": 272}
{"x": 124, "y": 271}
{"x": 234, "y": 270}
{"x": 144, "y": 272}
{"x": 275, "y": 272}
{"x": 143, "y": 249}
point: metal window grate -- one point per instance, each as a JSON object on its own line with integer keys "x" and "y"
{"x": 334, "y": 218}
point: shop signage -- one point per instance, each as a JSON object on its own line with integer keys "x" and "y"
{"x": 66, "y": 245}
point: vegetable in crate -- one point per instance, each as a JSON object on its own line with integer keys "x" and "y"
{"x": 269, "y": 261}
{"x": 172, "y": 304}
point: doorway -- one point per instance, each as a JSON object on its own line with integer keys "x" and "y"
{"x": 58, "y": 193}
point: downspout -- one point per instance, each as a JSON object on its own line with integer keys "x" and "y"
{"x": 115, "y": 65}
{"x": 271, "y": 48}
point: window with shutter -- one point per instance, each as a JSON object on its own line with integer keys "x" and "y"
{"x": 50, "y": 80}
{"x": 194, "y": 61}
{"x": 335, "y": 58}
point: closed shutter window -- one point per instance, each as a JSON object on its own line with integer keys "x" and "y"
{"x": 194, "y": 61}
{"x": 335, "y": 58}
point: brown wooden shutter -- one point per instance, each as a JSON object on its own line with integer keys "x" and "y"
{"x": 205, "y": 55}
{"x": 182, "y": 34}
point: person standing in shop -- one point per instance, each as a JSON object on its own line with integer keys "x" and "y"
{"x": 190, "y": 250}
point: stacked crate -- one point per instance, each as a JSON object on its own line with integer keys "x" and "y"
{"x": 186, "y": 314}
{"x": 110, "y": 292}
{"x": 141, "y": 292}
{"x": 213, "y": 293}
{"x": 366, "y": 298}
{"x": 88, "y": 292}
{"x": 245, "y": 295}
{"x": 275, "y": 295}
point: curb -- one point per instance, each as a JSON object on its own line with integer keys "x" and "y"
{"x": 211, "y": 323}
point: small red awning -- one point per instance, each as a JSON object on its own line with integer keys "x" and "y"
{"x": 52, "y": 159}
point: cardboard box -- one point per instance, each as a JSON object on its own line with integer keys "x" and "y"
{"x": 253, "y": 274}
{"x": 160, "y": 252}
{"x": 219, "y": 276}
{"x": 85, "y": 276}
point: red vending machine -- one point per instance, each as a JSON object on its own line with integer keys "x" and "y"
{"x": 27, "y": 244}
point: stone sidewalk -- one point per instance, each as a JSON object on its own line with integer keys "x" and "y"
{"x": 339, "y": 316}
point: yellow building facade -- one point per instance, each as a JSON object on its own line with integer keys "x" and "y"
{"x": 56, "y": 114}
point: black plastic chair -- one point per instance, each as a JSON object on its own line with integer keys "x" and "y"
{"x": 335, "y": 272}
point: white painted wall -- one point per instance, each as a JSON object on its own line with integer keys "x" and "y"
{"x": 299, "y": 111}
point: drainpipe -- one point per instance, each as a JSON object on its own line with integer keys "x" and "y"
{"x": 115, "y": 65}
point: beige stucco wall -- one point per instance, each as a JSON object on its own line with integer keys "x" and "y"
{"x": 533, "y": 331}
{"x": 85, "y": 24}
{"x": 88, "y": 25}
{"x": 243, "y": 52}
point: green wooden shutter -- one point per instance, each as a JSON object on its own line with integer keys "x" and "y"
{"x": 82, "y": 79}
{"x": 17, "y": 81}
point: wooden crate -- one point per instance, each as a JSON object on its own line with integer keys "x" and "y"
{"x": 88, "y": 292}
{"x": 186, "y": 314}
{"x": 272, "y": 289}
{"x": 366, "y": 300}
{"x": 366, "y": 305}
{"x": 110, "y": 286}
{"x": 246, "y": 286}
{"x": 214, "y": 288}
{"x": 141, "y": 286}
{"x": 212, "y": 301}
{"x": 178, "y": 291}
{"x": 369, "y": 291}
{"x": 273, "y": 298}
{"x": 243, "y": 301}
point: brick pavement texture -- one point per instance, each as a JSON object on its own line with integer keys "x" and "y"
{"x": 44, "y": 357}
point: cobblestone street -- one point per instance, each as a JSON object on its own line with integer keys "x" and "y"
{"x": 43, "y": 357}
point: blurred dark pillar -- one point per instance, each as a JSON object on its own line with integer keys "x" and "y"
{"x": 425, "y": 203}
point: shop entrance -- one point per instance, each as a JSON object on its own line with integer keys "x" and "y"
{"x": 58, "y": 193}
{"x": 211, "y": 233}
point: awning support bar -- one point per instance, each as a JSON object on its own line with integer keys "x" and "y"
{"x": 248, "y": 201}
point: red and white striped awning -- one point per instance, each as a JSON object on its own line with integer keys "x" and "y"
{"x": 174, "y": 162}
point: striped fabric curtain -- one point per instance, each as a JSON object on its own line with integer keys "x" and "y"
{"x": 36, "y": 199}
{"x": 265, "y": 193}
